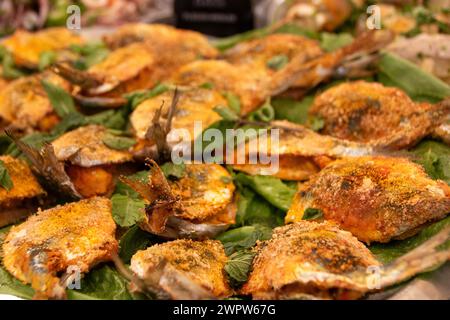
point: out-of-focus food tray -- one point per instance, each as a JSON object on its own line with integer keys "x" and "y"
{"x": 431, "y": 286}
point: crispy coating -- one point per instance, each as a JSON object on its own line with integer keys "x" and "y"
{"x": 25, "y": 185}
{"x": 377, "y": 199}
{"x": 300, "y": 152}
{"x": 84, "y": 147}
{"x": 258, "y": 53}
{"x": 198, "y": 205}
{"x": 123, "y": 64}
{"x": 27, "y": 47}
{"x": 193, "y": 105}
{"x": 205, "y": 190}
{"x": 307, "y": 258}
{"x": 372, "y": 113}
{"x": 251, "y": 85}
{"x": 290, "y": 167}
{"x": 25, "y": 105}
{"x": 189, "y": 41}
{"x": 202, "y": 262}
{"x": 137, "y": 32}
{"x": 143, "y": 64}
{"x": 79, "y": 234}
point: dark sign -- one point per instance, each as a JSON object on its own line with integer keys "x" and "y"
{"x": 214, "y": 17}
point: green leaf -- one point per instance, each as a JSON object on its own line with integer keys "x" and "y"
{"x": 312, "y": 213}
{"x": 292, "y": 110}
{"x": 293, "y": 28}
{"x": 270, "y": 188}
{"x": 316, "y": 123}
{"x": 5, "y": 143}
{"x": 277, "y": 62}
{"x": 132, "y": 241}
{"x": 137, "y": 97}
{"x": 243, "y": 237}
{"x": 229, "y": 42}
{"x": 255, "y": 210}
{"x": 173, "y": 171}
{"x": 127, "y": 211}
{"x": 265, "y": 113}
{"x": 207, "y": 85}
{"x": 102, "y": 283}
{"x": 61, "y": 100}
{"x": 91, "y": 54}
{"x": 46, "y": 59}
{"x": 117, "y": 142}
{"x": 333, "y": 41}
{"x": 238, "y": 267}
{"x": 434, "y": 157}
{"x": 69, "y": 122}
{"x": 245, "y": 197}
{"x": 57, "y": 15}
{"x": 289, "y": 28}
{"x": 5, "y": 178}
{"x": 418, "y": 84}
{"x": 233, "y": 101}
{"x": 390, "y": 251}
{"x": 112, "y": 119}
{"x": 9, "y": 70}
{"x": 226, "y": 113}
{"x": 12, "y": 286}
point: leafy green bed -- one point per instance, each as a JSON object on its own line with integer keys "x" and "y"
{"x": 263, "y": 200}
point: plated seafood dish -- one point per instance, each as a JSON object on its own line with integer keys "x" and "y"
{"x": 309, "y": 159}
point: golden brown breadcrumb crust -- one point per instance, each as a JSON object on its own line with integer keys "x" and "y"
{"x": 27, "y": 47}
{"x": 25, "y": 185}
{"x": 85, "y": 147}
{"x": 372, "y": 113}
{"x": 306, "y": 248}
{"x": 200, "y": 261}
{"x": 25, "y": 105}
{"x": 80, "y": 234}
{"x": 376, "y": 198}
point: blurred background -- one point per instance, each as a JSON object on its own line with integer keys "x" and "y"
{"x": 224, "y": 17}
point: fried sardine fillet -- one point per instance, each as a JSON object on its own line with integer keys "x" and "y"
{"x": 89, "y": 162}
{"x": 184, "y": 269}
{"x": 273, "y": 52}
{"x": 79, "y": 234}
{"x": 24, "y": 104}
{"x": 152, "y": 33}
{"x": 372, "y": 113}
{"x": 17, "y": 202}
{"x": 253, "y": 83}
{"x": 200, "y": 204}
{"x": 27, "y": 47}
{"x": 318, "y": 260}
{"x": 290, "y": 265}
{"x": 140, "y": 65}
{"x": 300, "y": 152}
{"x": 377, "y": 199}
{"x": 195, "y": 104}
